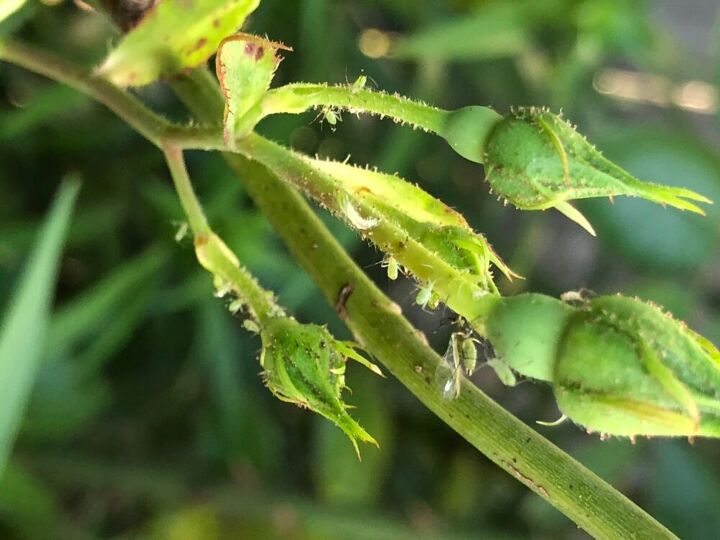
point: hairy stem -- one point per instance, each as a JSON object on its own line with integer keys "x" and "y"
{"x": 212, "y": 252}
{"x": 377, "y": 323}
{"x": 297, "y": 98}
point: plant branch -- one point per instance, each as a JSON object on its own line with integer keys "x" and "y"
{"x": 183, "y": 186}
{"x": 377, "y": 322}
{"x": 378, "y": 325}
{"x": 212, "y": 252}
{"x": 130, "y": 109}
{"x": 297, "y": 98}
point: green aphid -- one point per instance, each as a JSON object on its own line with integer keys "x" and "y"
{"x": 468, "y": 353}
{"x": 393, "y": 267}
{"x": 331, "y": 115}
{"x": 182, "y": 232}
{"x": 251, "y": 326}
{"x": 461, "y": 354}
{"x": 426, "y": 296}
{"x": 359, "y": 84}
{"x": 236, "y": 305}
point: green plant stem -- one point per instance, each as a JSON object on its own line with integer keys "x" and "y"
{"x": 186, "y": 193}
{"x": 146, "y": 122}
{"x": 212, "y": 252}
{"x": 297, "y": 98}
{"x": 379, "y": 326}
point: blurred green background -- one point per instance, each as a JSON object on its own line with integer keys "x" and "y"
{"x": 148, "y": 418}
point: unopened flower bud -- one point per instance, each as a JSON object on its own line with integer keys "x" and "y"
{"x": 536, "y": 160}
{"x": 618, "y": 365}
{"x": 304, "y": 364}
{"x": 626, "y": 368}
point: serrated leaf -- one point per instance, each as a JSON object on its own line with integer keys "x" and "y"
{"x": 24, "y": 327}
{"x": 427, "y": 239}
{"x": 176, "y": 35}
{"x": 305, "y": 365}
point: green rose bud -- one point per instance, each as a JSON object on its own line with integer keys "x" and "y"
{"x": 618, "y": 365}
{"x": 536, "y": 160}
{"x": 624, "y": 367}
{"x": 304, "y": 364}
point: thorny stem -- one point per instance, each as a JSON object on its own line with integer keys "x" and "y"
{"x": 377, "y": 323}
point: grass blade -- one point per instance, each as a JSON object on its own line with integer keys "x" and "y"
{"x": 25, "y": 323}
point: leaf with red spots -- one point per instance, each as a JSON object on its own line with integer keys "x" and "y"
{"x": 245, "y": 67}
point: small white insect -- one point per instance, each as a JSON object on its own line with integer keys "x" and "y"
{"x": 331, "y": 115}
{"x": 236, "y": 306}
{"x": 579, "y": 297}
{"x": 356, "y": 220}
{"x": 251, "y": 326}
{"x": 222, "y": 287}
{"x": 448, "y": 374}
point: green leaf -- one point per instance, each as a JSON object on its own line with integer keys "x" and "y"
{"x": 176, "y": 35}
{"x": 245, "y": 67}
{"x": 22, "y": 335}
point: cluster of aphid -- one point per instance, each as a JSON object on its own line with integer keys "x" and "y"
{"x": 462, "y": 352}
{"x": 332, "y": 114}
